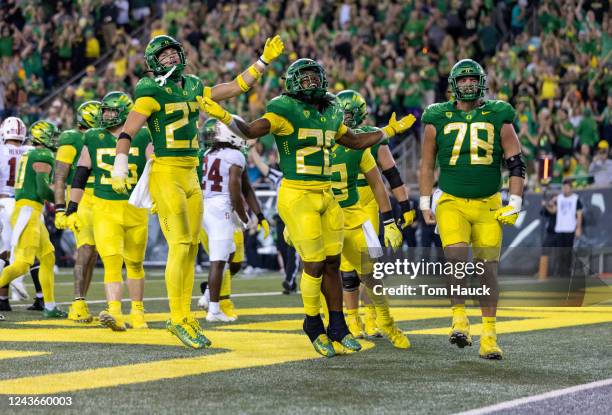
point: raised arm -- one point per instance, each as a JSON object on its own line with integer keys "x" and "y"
{"x": 242, "y": 83}
{"x": 350, "y": 139}
{"x": 256, "y": 129}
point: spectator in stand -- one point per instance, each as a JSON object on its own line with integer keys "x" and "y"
{"x": 601, "y": 167}
{"x": 568, "y": 226}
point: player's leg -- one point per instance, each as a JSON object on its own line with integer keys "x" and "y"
{"x": 46, "y": 257}
{"x": 167, "y": 187}
{"x": 136, "y": 234}
{"x": 369, "y": 321}
{"x": 486, "y": 243}
{"x": 235, "y": 263}
{"x": 332, "y": 223}
{"x": 300, "y": 210}
{"x": 455, "y": 232}
{"x": 39, "y": 302}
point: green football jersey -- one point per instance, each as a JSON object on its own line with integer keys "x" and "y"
{"x": 101, "y": 146}
{"x": 74, "y": 138}
{"x": 346, "y": 165}
{"x": 174, "y": 127}
{"x": 469, "y": 146}
{"x": 305, "y": 152}
{"x": 25, "y": 185}
{"x": 361, "y": 180}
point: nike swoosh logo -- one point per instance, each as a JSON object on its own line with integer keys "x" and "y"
{"x": 485, "y": 112}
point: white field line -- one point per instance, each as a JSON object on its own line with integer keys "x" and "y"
{"x": 537, "y": 398}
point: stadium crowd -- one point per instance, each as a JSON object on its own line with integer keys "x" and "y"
{"x": 550, "y": 59}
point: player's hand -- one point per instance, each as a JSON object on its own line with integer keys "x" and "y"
{"x": 60, "y": 220}
{"x": 429, "y": 217}
{"x": 273, "y": 49}
{"x": 286, "y": 237}
{"x": 215, "y": 110}
{"x": 120, "y": 184}
{"x": 406, "y": 219}
{"x": 395, "y": 127}
{"x": 73, "y": 222}
{"x": 393, "y": 236}
{"x": 262, "y": 223}
{"x": 509, "y": 214}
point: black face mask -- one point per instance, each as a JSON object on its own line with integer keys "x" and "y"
{"x": 320, "y": 103}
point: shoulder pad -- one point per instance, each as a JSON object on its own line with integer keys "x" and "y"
{"x": 69, "y": 137}
{"x": 503, "y": 108}
{"x": 146, "y": 87}
{"x": 432, "y": 112}
{"x": 280, "y": 105}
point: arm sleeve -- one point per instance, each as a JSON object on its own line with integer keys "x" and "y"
{"x": 367, "y": 162}
{"x": 146, "y": 106}
{"x": 42, "y": 187}
{"x": 66, "y": 154}
{"x": 279, "y": 125}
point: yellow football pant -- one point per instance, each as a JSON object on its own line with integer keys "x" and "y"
{"x": 85, "y": 234}
{"x": 369, "y": 206}
{"x": 33, "y": 243}
{"x": 177, "y": 194}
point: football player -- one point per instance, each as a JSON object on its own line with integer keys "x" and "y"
{"x": 13, "y": 136}
{"x": 119, "y": 228}
{"x": 68, "y": 153}
{"x": 355, "y": 265}
{"x": 30, "y": 238}
{"x": 168, "y": 103}
{"x": 470, "y": 137}
{"x": 306, "y": 122}
{"x": 355, "y": 113}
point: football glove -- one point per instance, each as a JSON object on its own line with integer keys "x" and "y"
{"x": 215, "y": 110}
{"x": 408, "y": 214}
{"x": 120, "y": 184}
{"x": 73, "y": 223}
{"x": 508, "y": 215}
{"x": 273, "y": 49}
{"x": 262, "y": 223}
{"x": 60, "y": 219}
{"x": 119, "y": 174}
{"x": 393, "y": 236}
{"x": 395, "y": 127}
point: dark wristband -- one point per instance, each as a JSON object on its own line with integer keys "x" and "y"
{"x": 124, "y": 135}
{"x": 388, "y": 217}
{"x": 405, "y": 205}
{"x": 60, "y": 207}
{"x": 72, "y": 207}
{"x": 260, "y": 217}
{"x": 263, "y": 61}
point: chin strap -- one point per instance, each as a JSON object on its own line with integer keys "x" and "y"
{"x": 161, "y": 80}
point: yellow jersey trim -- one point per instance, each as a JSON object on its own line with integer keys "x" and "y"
{"x": 279, "y": 125}
{"x": 146, "y": 106}
{"x": 341, "y": 131}
{"x": 66, "y": 154}
{"x": 367, "y": 162}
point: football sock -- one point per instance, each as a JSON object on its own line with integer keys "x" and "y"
{"x": 213, "y": 307}
{"x": 381, "y": 305}
{"x": 337, "y": 326}
{"x": 311, "y": 292}
{"x": 188, "y": 279}
{"x": 488, "y": 324}
{"x": 226, "y": 284}
{"x": 39, "y": 294}
{"x": 137, "y": 306}
{"x": 114, "y": 307}
{"x": 49, "y": 305}
{"x": 313, "y": 327}
{"x": 177, "y": 256}
{"x": 47, "y": 278}
{"x": 458, "y": 308}
{"x": 11, "y": 272}
{"x": 370, "y": 311}
{"x": 35, "y": 279}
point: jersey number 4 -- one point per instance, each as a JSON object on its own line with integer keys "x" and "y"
{"x": 475, "y": 142}
{"x": 212, "y": 174}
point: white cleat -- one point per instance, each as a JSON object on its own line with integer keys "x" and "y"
{"x": 18, "y": 290}
{"x": 220, "y": 316}
{"x": 204, "y": 300}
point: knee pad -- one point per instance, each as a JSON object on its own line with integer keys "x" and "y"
{"x": 112, "y": 268}
{"x": 135, "y": 270}
{"x": 350, "y": 281}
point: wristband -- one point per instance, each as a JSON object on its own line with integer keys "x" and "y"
{"x": 260, "y": 217}
{"x": 405, "y": 205}
{"x": 120, "y": 168}
{"x": 72, "y": 208}
{"x": 60, "y": 207}
{"x": 262, "y": 61}
{"x": 124, "y": 135}
{"x": 244, "y": 87}
{"x": 388, "y": 217}
{"x": 254, "y": 72}
{"x": 516, "y": 202}
{"x": 425, "y": 203}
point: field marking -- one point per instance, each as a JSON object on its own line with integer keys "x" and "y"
{"x": 537, "y": 398}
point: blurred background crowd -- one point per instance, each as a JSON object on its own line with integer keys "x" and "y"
{"x": 550, "y": 59}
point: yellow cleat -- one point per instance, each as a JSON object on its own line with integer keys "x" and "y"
{"x": 115, "y": 322}
{"x": 323, "y": 346}
{"x": 370, "y": 328}
{"x": 355, "y": 325}
{"x": 227, "y": 307}
{"x": 460, "y": 331}
{"x": 79, "y": 312}
{"x": 489, "y": 349}
{"x": 137, "y": 320}
{"x": 395, "y": 335}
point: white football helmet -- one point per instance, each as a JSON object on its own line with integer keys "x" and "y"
{"x": 225, "y": 134}
{"x": 13, "y": 129}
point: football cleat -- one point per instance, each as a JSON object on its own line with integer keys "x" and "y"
{"x": 115, "y": 322}
{"x": 289, "y": 289}
{"x": 489, "y": 349}
{"x": 5, "y": 305}
{"x": 195, "y": 325}
{"x": 460, "y": 331}
{"x": 395, "y": 335}
{"x": 323, "y": 346}
{"x": 55, "y": 313}
{"x": 227, "y": 307}
{"x": 220, "y": 316}
{"x": 137, "y": 320}
{"x": 185, "y": 333}
{"x": 79, "y": 312}
{"x": 348, "y": 344}
{"x": 38, "y": 304}
{"x": 355, "y": 325}
{"x": 369, "y": 327}
{"x": 204, "y": 300}
{"x": 18, "y": 290}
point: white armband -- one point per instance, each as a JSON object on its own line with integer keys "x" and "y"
{"x": 120, "y": 167}
{"x": 425, "y": 203}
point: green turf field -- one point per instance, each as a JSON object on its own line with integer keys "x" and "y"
{"x": 264, "y": 364}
